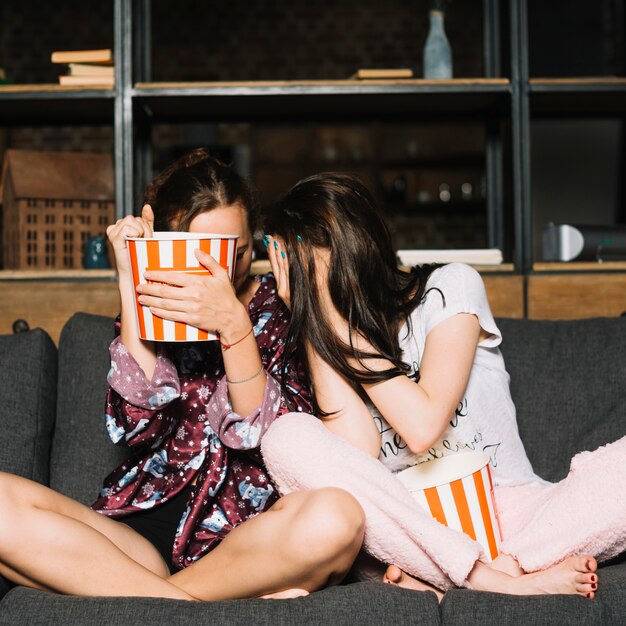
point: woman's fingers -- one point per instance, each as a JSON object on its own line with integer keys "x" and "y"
{"x": 128, "y": 226}
{"x": 166, "y": 304}
{"x": 280, "y": 267}
{"x": 147, "y": 215}
{"x": 211, "y": 264}
{"x": 167, "y": 279}
{"x": 163, "y": 290}
{"x": 175, "y": 316}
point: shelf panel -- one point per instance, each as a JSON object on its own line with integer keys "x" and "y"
{"x": 575, "y": 296}
{"x": 322, "y": 99}
{"x": 262, "y": 266}
{"x": 608, "y": 266}
{"x": 34, "y": 105}
{"x": 48, "y": 304}
{"x": 569, "y": 97}
{"x": 65, "y": 275}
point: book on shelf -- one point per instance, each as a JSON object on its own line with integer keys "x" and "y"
{"x": 479, "y": 256}
{"x": 87, "y": 69}
{"x": 368, "y": 73}
{"x": 103, "y": 56}
{"x": 78, "y": 81}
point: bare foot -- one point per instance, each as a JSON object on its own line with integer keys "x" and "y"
{"x": 574, "y": 575}
{"x": 507, "y": 564}
{"x": 395, "y": 576}
{"x": 287, "y": 594}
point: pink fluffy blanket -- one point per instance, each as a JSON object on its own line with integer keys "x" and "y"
{"x": 541, "y": 524}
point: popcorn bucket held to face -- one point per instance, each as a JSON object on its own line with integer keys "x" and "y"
{"x": 457, "y": 491}
{"x": 174, "y": 251}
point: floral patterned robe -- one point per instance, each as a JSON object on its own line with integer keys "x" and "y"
{"x": 181, "y": 426}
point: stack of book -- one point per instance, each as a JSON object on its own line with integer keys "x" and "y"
{"x": 480, "y": 256}
{"x": 86, "y": 67}
{"x": 381, "y": 74}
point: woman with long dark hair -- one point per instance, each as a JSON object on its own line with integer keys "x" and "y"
{"x": 405, "y": 368}
{"x": 192, "y": 514}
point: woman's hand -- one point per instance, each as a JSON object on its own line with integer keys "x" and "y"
{"x": 280, "y": 267}
{"x": 207, "y": 302}
{"x": 129, "y": 226}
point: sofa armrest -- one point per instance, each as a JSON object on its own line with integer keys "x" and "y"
{"x": 28, "y": 366}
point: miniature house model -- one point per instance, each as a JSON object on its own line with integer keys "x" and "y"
{"x": 52, "y": 203}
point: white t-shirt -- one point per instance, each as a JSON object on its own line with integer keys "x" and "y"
{"x": 485, "y": 418}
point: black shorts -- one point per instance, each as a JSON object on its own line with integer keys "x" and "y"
{"x": 158, "y": 525}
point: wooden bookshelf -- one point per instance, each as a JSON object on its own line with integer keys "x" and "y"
{"x": 50, "y": 88}
{"x": 607, "y": 266}
{"x": 583, "y": 81}
{"x": 348, "y": 82}
{"x": 574, "y": 295}
{"x": 29, "y": 275}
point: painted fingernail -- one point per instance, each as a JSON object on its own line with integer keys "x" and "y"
{"x": 282, "y": 253}
{"x": 265, "y": 242}
{"x": 299, "y": 238}
{"x": 275, "y": 245}
{"x": 593, "y": 579}
{"x": 589, "y": 595}
{"x": 594, "y": 586}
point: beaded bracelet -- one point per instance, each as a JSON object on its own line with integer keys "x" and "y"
{"x": 226, "y": 346}
{"x": 243, "y": 380}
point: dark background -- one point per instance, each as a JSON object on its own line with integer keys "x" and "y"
{"x": 577, "y": 163}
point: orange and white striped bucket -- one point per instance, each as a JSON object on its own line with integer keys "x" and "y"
{"x": 175, "y": 251}
{"x": 457, "y": 491}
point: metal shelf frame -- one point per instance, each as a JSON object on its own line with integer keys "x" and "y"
{"x": 505, "y": 106}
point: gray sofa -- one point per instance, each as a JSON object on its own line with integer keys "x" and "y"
{"x": 568, "y": 381}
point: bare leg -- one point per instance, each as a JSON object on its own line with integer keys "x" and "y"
{"x": 52, "y": 542}
{"x": 575, "y": 575}
{"x": 307, "y": 540}
{"x": 507, "y": 564}
{"x": 395, "y": 576}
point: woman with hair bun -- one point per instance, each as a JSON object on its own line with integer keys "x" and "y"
{"x": 192, "y": 514}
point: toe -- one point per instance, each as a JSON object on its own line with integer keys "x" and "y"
{"x": 393, "y": 574}
{"x": 584, "y": 579}
{"x": 585, "y": 564}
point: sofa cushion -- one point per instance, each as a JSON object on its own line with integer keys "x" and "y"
{"x": 358, "y": 603}
{"x": 461, "y": 607}
{"x": 567, "y": 382}
{"x": 28, "y": 365}
{"x": 82, "y": 453}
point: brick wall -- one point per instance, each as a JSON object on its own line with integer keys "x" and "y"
{"x": 260, "y": 40}
{"x": 304, "y": 39}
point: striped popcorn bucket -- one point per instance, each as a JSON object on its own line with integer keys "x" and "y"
{"x": 457, "y": 491}
{"x": 174, "y": 251}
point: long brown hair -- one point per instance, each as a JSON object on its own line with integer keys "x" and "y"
{"x": 195, "y": 183}
{"x": 335, "y": 211}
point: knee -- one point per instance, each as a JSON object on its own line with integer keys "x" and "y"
{"x": 8, "y": 503}
{"x": 329, "y": 527}
{"x": 7, "y": 490}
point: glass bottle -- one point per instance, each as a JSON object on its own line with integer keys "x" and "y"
{"x": 437, "y": 54}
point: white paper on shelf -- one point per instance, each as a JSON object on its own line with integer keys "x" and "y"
{"x": 482, "y": 256}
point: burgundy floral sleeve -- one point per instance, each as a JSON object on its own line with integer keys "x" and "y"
{"x": 245, "y": 432}
{"x": 133, "y": 402}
